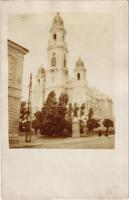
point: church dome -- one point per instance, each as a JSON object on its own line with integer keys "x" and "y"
{"x": 79, "y": 63}
{"x": 41, "y": 70}
{"x": 57, "y": 19}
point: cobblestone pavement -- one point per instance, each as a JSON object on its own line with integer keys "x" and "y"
{"x": 94, "y": 142}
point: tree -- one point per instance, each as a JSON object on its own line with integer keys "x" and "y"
{"x": 90, "y": 114}
{"x": 70, "y": 111}
{"x": 82, "y": 108}
{"x": 108, "y": 123}
{"x": 91, "y": 123}
{"x": 48, "y": 112}
{"x": 36, "y": 123}
{"x": 51, "y": 99}
{"x": 63, "y": 99}
{"x": 54, "y": 114}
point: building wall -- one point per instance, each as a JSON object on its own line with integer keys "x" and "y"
{"x": 15, "y": 70}
{"x": 79, "y": 92}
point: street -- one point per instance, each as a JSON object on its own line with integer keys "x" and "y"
{"x": 94, "y": 142}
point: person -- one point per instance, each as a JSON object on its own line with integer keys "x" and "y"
{"x": 27, "y": 128}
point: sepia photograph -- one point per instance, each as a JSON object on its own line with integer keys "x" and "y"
{"x": 64, "y": 99}
{"x": 61, "y": 89}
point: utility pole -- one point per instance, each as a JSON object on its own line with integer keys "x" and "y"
{"x": 30, "y": 96}
{"x": 28, "y": 127}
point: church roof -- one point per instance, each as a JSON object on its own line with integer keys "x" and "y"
{"x": 57, "y": 23}
{"x": 79, "y": 63}
{"x": 99, "y": 94}
{"x": 41, "y": 70}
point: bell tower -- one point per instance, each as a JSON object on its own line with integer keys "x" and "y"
{"x": 38, "y": 96}
{"x": 79, "y": 93}
{"x": 56, "y": 75}
{"x": 80, "y": 71}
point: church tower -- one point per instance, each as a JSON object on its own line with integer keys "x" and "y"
{"x": 57, "y": 71}
{"x": 38, "y": 96}
{"x": 79, "y": 92}
{"x": 80, "y": 71}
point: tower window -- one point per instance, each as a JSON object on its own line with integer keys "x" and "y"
{"x": 54, "y": 36}
{"x": 64, "y": 61}
{"x": 53, "y": 61}
{"x": 78, "y": 76}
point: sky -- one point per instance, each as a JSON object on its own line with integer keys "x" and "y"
{"x": 89, "y": 36}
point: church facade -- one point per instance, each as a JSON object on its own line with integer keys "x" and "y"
{"x": 56, "y": 77}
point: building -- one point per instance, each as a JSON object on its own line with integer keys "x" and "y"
{"x": 56, "y": 77}
{"x": 15, "y": 70}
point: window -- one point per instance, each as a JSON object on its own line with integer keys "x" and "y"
{"x": 78, "y": 76}
{"x": 53, "y": 60}
{"x": 54, "y": 36}
{"x": 64, "y": 61}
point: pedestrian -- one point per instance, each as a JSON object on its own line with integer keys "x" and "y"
{"x": 27, "y": 128}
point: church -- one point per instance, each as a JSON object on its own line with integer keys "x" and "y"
{"x": 56, "y": 76}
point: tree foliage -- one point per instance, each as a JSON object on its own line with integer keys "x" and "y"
{"x": 36, "y": 123}
{"x": 90, "y": 114}
{"x": 108, "y": 123}
{"x": 53, "y": 115}
{"x": 92, "y": 123}
{"x": 82, "y": 108}
{"x": 75, "y": 110}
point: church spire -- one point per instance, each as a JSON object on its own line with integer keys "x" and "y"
{"x": 56, "y": 74}
{"x": 57, "y": 22}
{"x": 80, "y": 63}
{"x": 57, "y": 46}
{"x": 80, "y": 70}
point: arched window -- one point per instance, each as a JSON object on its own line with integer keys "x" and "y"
{"x": 53, "y": 60}
{"x": 78, "y": 76}
{"x": 54, "y": 36}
